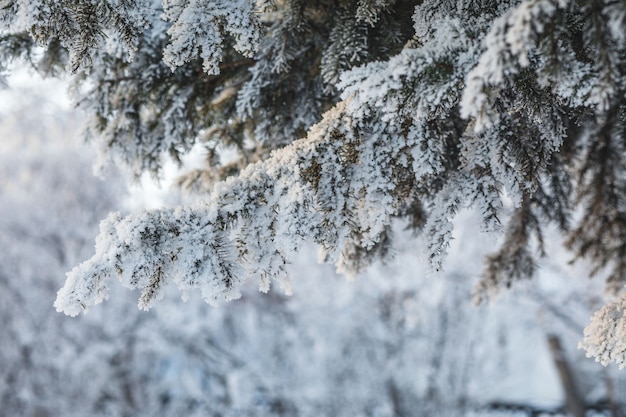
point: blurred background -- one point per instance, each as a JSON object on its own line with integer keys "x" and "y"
{"x": 396, "y": 341}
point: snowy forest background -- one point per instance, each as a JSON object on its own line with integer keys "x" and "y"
{"x": 397, "y": 341}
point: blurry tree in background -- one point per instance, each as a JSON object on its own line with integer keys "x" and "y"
{"x": 344, "y": 115}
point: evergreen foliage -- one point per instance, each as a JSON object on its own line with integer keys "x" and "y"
{"x": 346, "y": 114}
